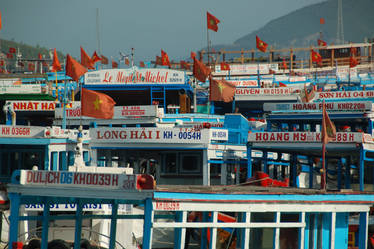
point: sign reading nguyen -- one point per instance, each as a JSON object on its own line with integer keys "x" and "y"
{"x": 303, "y": 137}
{"x": 267, "y": 91}
{"x": 135, "y": 76}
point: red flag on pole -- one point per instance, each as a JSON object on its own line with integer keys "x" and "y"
{"x": 104, "y": 60}
{"x": 284, "y": 64}
{"x": 12, "y": 50}
{"x": 141, "y": 64}
{"x": 316, "y": 57}
{"x": 322, "y": 20}
{"x": 1, "y": 24}
{"x": 56, "y": 66}
{"x": 225, "y": 66}
{"x": 114, "y": 64}
{"x": 352, "y": 62}
{"x": 165, "y": 58}
{"x": 261, "y": 45}
{"x": 74, "y": 69}
{"x": 86, "y": 60}
{"x": 95, "y": 58}
{"x": 212, "y": 22}
{"x": 185, "y": 65}
{"x": 127, "y": 61}
{"x": 97, "y": 105}
{"x": 321, "y": 43}
{"x": 328, "y": 127}
{"x": 221, "y": 90}
{"x": 200, "y": 71}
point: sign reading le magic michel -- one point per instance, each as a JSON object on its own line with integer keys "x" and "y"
{"x": 135, "y": 76}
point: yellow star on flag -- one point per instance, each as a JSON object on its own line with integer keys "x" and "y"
{"x": 97, "y": 103}
{"x": 221, "y": 87}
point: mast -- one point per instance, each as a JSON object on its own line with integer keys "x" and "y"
{"x": 340, "y": 28}
{"x": 97, "y": 31}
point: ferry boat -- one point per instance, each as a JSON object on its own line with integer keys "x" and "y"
{"x": 194, "y": 158}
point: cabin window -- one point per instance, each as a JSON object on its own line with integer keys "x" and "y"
{"x": 170, "y": 162}
{"x": 190, "y": 163}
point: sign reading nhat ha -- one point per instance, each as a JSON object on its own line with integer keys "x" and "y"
{"x": 32, "y": 105}
{"x": 135, "y": 76}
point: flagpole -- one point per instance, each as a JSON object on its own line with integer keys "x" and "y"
{"x": 323, "y": 176}
{"x": 132, "y": 57}
{"x": 207, "y": 37}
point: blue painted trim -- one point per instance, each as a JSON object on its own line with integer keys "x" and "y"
{"x": 14, "y": 215}
{"x": 150, "y": 148}
{"x": 178, "y": 231}
{"x": 45, "y": 225}
{"x": 249, "y": 162}
{"x": 113, "y": 225}
{"x": 363, "y": 231}
{"x": 326, "y": 230}
{"x": 341, "y": 230}
{"x": 78, "y": 225}
{"x": 362, "y": 168}
{"x": 268, "y": 197}
{"x": 147, "y": 229}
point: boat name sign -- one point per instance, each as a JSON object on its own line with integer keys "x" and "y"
{"x": 305, "y": 137}
{"x": 78, "y": 179}
{"x": 135, "y": 76}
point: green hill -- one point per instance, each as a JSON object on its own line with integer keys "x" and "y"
{"x": 28, "y": 52}
{"x": 302, "y": 27}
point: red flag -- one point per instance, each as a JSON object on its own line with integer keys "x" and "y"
{"x": 95, "y": 58}
{"x": 56, "y": 66}
{"x": 321, "y": 43}
{"x": 328, "y": 127}
{"x": 284, "y": 64}
{"x": 12, "y": 50}
{"x": 193, "y": 55}
{"x": 282, "y": 84}
{"x": 200, "y": 71}
{"x": 127, "y": 61}
{"x": 225, "y": 66}
{"x": 1, "y": 24}
{"x": 316, "y": 57}
{"x": 141, "y": 64}
{"x": 352, "y": 62}
{"x": 322, "y": 20}
{"x": 261, "y": 45}
{"x": 31, "y": 66}
{"x": 212, "y": 22}
{"x": 114, "y": 64}
{"x": 2, "y": 63}
{"x": 104, "y": 60}
{"x": 9, "y": 56}
{"x": 97, "y": 105}
{"x": 74, "y": 69}
{"x": 221, "y": 90}
{"x": 165, "y": 58}
{"x": 158, "y": 60}
{"x": 353, "y": 51}
{"x": 40, "y": 56}
{"x": 185, "y": 65}
{"x": 308, "y": 95}
{"x": 86, "y": 60}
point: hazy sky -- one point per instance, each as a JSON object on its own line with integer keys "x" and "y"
{"x": 178, "y": 27}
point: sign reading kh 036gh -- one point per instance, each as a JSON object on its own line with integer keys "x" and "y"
{"x": 135, "y": 76}
{"x": 152, "y": 135}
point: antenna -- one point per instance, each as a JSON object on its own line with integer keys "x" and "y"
{"x": 97, "y": 31}
{"x": 340, "y": 28}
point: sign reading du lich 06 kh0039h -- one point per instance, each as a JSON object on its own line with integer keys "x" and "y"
{"x": 135, "y": 76}
{"x": 152, "y": 135}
